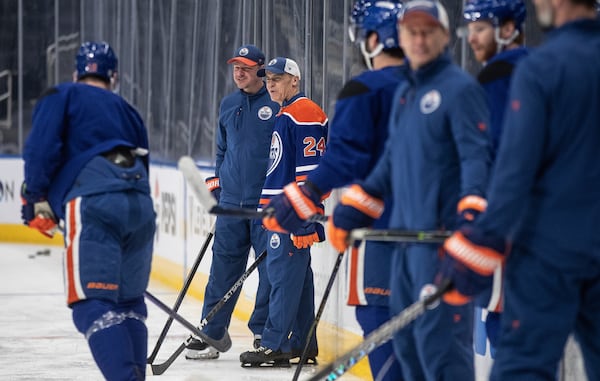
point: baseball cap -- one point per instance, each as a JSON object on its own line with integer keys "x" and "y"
{"x": 280, "y": 65}
{"x": 248, "y": 54}
{"x": 430, "y": 8}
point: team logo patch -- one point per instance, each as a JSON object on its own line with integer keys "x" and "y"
{"x": 275, "y": 241}
{"x": 427, "y": 290}
{"x": 243, "y": 52}
{"x": 275, "y": 153}
{"x": 430, "y": 102}
{"x": 272, "y": 62}
{"x": 265, "y": 113}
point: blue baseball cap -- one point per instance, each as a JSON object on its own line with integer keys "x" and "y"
{"x": 433, "y": 9}
{"x": 280, "y": 65}
{"x": 248, "y": 54}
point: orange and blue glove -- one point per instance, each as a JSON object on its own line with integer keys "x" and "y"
{"x": 469, "y": 261}
{"x": 289, "y": 210}
{"x": 214, "y": 187}
{"x": 37, "y": 213}
{"x": 357, "y": 209}
{"x": 311, "y": 233}
{"x": 469, "y": 207}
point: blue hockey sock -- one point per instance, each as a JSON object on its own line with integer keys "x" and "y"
{"x": 138, "y": 332}
{"x": 109, "y": 339}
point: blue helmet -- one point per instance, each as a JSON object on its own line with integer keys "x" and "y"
{"x": 96, "y": 59}
{"x": 496, "y": 11}
{"x": 375, "y": 16}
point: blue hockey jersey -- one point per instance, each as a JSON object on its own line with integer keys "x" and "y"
{"x": 94, "y": 121}
{"x": 297, "y": 144}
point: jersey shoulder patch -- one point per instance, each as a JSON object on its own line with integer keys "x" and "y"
{"x": 352, "y": 88}
{"x": 495, "y": 70}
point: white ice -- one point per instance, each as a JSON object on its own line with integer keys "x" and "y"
{"x": 38, "y": 340}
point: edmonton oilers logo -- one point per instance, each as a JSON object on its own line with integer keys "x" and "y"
{"x": 430, "y": 102}
{"x": 265, "y": 113}
{"x": 275, "y": 241}
{"x": 243, "y": 52}
{"x": 275, "y": 152}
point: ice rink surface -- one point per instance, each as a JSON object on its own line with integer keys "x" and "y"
{"x": 38, "y": 340}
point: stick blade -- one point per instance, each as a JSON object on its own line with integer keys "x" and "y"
{"x": 195, "y": 181}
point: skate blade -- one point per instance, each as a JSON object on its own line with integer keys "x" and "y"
{"x": 270, "y": 364}
{"x": 203, "y": 356}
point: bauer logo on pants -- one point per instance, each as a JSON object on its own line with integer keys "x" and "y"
{"x": 275, "y": 241}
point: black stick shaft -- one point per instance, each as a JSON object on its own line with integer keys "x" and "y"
{"x": 313, "y": 327}
{"x": 158, "y": 369}
{"x": 180, "y": 297}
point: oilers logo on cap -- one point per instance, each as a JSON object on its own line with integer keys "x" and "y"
{"x": 243, "y": 52}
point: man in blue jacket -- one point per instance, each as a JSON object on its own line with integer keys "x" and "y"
{"x": 86, "y": 162}
{"x": 246, "y": 119}
{"x": 435, "y": 166}
{"x": 544, "y": 207}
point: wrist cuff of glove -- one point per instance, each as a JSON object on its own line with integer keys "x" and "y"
{"x": 212, "y": 183}
{"x": 357, "y": 198}
{"x": 480, "y": 259}
{"x": 302, "y": 203}
{"x": 472, "y": 202}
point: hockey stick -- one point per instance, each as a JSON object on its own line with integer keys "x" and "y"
{"x": 194, "y": 179}
{"x": 181, "y": 295}
{"x": 393, "y": 235}
{"x": 380, "y": 336}
{"x": 313, "y": 327}
{"x": 159, "y": 369}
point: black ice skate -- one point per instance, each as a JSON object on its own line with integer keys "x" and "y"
{"x": 199, "y": 350}
{"x": 265, "y": 357}
{"x": 311, "y": 358}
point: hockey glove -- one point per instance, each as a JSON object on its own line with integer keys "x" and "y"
{"x": 289, "y": 210}
{"x": 37, "y": 214}
{"x": 356, "y": 209}
{"x": 311, "y": 233}
{"x": 469, "y": 261}
{"x": 469, "y": 207}
{"x": 212, "y": 183}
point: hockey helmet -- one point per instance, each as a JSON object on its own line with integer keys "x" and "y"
{"x": 96, "y": 59}
{"x": 380, "y": 17}
{"x": 496, "y": 11}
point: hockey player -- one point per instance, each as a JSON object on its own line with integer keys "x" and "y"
{"x": 297, "y": 144}
{"x": 246, "y": 119}
{"x": 86, "y": 161}
{"x": 544, "y": 208}
{"x": 496, "y": 37}
{"x": 435, "y": 166}
{"x": 356, "y": 140}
